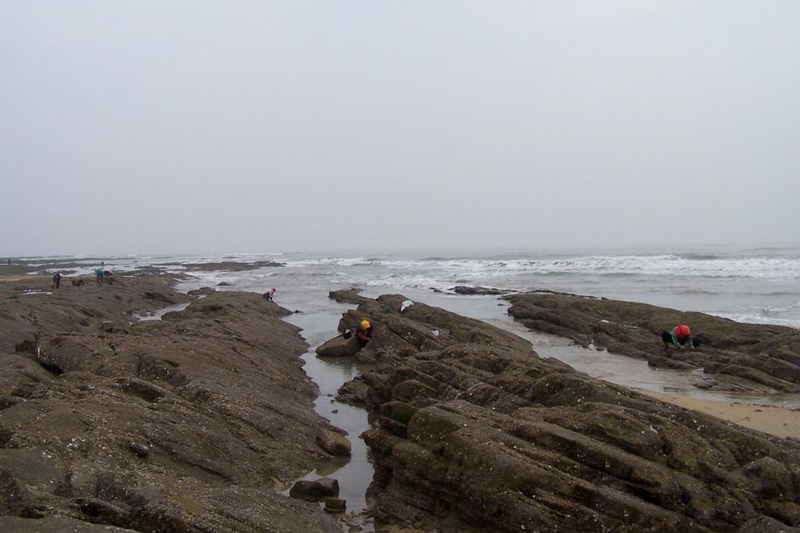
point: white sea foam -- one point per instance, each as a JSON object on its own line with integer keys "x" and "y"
{"x": 759, "y": 319}
{"x": 769, "y": 311}
{"x": 657, "y": 265}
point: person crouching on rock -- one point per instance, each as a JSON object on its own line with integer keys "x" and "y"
{"x": 364, "y": 332}
{"x": 680, "y": 337}
{"x": 268, "y": 295}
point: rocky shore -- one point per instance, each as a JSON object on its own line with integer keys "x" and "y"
{"x": 472, "y": 431}
{"x": 189, "y": 424}
{"x": 732, "y": 355}
{"x": 200, "y": 421}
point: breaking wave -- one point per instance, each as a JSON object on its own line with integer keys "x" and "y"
{"x": 631, "y": 265}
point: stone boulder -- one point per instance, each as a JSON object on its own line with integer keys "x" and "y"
{"x": 338, "y": 347}
{"x": 335, "y": 505}
{"x": 333, "y": 443}
{"x": 315, "y": 491}
{"x": 202, "y": 291}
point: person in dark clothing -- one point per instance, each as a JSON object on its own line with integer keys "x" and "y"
{"x": 364, "y": 333}
{"x": 680, "y": 337}
{"x": 57, "y": 280}
{"x": 269, "y": 294}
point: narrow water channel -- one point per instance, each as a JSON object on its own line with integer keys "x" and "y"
{"x": 355, "y": 473}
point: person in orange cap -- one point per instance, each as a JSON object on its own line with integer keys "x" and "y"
{"x": 268, "y": 295}
{"x": 680, "y": 337}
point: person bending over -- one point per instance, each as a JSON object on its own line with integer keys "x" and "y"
{"x": 364, "y": 332}
{"x": 680, "y": 337}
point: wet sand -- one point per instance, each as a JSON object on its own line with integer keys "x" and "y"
{"x": 773, "y": 420}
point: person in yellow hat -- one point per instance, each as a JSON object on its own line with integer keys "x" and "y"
{"x": 364, "y": 332}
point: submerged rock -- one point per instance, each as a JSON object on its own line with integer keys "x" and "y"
{"x": 338, "y": 347}
{"x": 467, "y": 290}
{"x": 335, "y": 505}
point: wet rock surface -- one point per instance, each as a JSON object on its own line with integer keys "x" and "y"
{"x": 473, "y": 431}
{"x": 202, "y": 291}
{"x": 469, "y": 290}
{"x": 334, "y": 443}
{"x": 316, "y": 490}
{"x": 734, "y": 356}
{"x": 192, "y": 423}
{"x": 230, "y": 266}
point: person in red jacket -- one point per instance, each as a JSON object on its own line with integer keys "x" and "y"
{"x": 268, "y": 295}
{"x": 364, "y": 333}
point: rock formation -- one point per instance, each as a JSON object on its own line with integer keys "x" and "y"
{"x": 734, "y": 356}
{"x": 189, "y": 424}
{"x": 467, "y": 290}
{"x": 474, "y": 432}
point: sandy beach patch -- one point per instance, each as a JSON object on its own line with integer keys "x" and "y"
{"x": 773, "y": 420}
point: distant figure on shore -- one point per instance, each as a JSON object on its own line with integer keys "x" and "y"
{"x": 269, "y": 294}
{"x": 680, "y": 337}
{"x": 57, "y": 280}
{"x": 101, "y": 275}
{"x": 364, "y": 333}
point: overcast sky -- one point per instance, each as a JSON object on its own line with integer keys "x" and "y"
{"x": 246, "y": 126}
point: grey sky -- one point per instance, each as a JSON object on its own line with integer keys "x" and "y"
{"x": 194, "y": 126}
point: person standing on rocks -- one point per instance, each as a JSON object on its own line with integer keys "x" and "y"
{"x": 101, "y": 273}
{"x": 57, "y": 280}
{"x": 364, "y": 333}
{"x": 680, "y": 337}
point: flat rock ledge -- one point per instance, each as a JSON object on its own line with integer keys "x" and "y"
{"x": 474, "y": 432}
{"x": 189, "y": 424}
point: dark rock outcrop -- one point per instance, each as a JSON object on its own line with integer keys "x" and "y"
{"x": 314, "y": 491}
{"x": 231, "y": 266}
{"x": 202, "y": 291}
{"x": 333, "y": 443}
{"x": 467, "y": 290}
{"x": 338, "y": 347}
{"x": 348, "y": 296}
{"x": 335, "y": 505}
{"x": 738, "y": 356}
{"x": 473, "y": 431}
{"x": 189, "y": 424}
